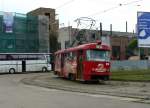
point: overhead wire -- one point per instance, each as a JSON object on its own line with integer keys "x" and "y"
{"x": 132, "y": 2}
{"x": 64, "y": 4}
{"x": 103, "y": 11}
{"x": 115, "y": 7}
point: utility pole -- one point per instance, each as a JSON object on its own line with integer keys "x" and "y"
{"x": 110, "y": 29}
{"x": 126, "y": 26}
{"x": 101, "y": 30}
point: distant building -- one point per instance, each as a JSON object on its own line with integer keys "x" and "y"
{"x": 65, "y": 37}
{"x": 53, "y": 23}
{"x": 119, "y": 41}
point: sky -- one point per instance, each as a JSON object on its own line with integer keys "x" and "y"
{"x": 115, "y": 12}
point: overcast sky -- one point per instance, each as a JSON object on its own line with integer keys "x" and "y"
{"x": 115, "y": 12}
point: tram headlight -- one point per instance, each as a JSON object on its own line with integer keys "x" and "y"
{"x": 107, "y": 64}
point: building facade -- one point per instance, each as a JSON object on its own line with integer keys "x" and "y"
{"x": 53, "y": 24}
{"x": 18, "y": 33}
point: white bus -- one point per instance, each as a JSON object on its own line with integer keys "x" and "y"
{"x": 24, "y": 62}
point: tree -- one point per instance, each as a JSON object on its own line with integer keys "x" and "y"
{"x": 133, "y": 44}
{"x": 132, "y": 48}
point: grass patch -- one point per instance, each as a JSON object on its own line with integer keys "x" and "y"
{"x": 128, "y": 75}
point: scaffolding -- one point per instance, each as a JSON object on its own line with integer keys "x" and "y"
{"x": 24, "y": 37}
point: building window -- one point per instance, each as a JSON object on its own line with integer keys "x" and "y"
{"x": 116, "y": 52}
{"x": 66, "y": 44}
{"x": 59, "y": 45}
{"x": 93, "y": 36}
{"x": 47, "y": 14}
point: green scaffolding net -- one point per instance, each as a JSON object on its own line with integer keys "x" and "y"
{"x": 23, "y": 37}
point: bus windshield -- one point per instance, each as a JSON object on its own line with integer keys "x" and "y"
{"x": 48, "y": 59}
{"x": 97, "y": 55}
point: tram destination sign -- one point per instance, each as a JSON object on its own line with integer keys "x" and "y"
{"x": 143, "y": 29}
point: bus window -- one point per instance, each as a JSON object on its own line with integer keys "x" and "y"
{"x": 48, "y": 59}
{"x": 22, "y": 57}
{"x": 97, "y": 55}
{"x": 2, "y": 57}
{"x": 9, "y": 57}
{"x": 41, "y": 57}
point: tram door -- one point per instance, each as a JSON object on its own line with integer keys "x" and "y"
{"x": 80, "y": 64}
{"x": 62, "y": 64}
{"x": 23, "y": 66}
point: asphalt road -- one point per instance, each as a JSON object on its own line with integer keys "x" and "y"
{"x": 15, "y": 94}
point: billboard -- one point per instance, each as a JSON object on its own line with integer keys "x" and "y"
{"x": 8, "y": 20}
{"x": 143, "y": 29}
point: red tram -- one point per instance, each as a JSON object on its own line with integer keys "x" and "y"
{"x": 85, "y": 62}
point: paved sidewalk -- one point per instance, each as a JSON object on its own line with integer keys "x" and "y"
{"x": 139, "y": 90}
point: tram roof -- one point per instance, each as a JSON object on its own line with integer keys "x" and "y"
{"x": 86, "y": 46}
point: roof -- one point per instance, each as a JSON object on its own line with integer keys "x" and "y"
{"x": 85, "y": 46}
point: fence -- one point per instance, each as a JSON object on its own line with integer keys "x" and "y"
{"x": 130, "y": 65}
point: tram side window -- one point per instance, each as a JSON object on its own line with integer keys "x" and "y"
{"x": 71, "y": 56}
{"x": 59, "y": 57}
{"x": 74, "y": 56}
{"x": 67, "y": 56}
{"x": 58, "y": 60}
{"x": 88, "y": 55}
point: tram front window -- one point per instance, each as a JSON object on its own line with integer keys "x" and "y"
{"x": 97, "y": 55}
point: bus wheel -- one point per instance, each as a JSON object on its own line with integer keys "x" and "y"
{"x": 44, "y": 69}
{"x": 12, "y": 71}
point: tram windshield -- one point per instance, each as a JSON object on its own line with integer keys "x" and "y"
{"x": 97, "y": 55}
